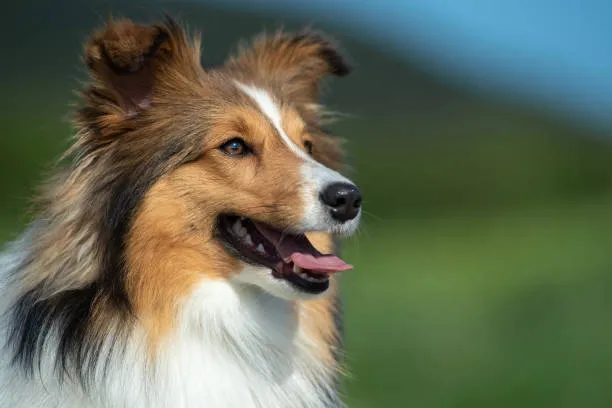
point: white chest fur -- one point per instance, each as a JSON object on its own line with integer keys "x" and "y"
{"x": 241, "y": 347}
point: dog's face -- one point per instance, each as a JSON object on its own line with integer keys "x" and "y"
{"x": 259, "y": 185}
{"x": 244, "y": 169}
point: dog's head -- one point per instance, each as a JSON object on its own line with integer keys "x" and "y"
{"x": 222, "y": 172}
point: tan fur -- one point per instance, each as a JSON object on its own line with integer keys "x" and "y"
{"x": 165, "y": 259}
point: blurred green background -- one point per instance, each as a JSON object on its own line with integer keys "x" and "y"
{"x": 483, "y": 264}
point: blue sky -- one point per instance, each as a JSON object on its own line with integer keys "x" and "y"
{"x": 557, "y": 54}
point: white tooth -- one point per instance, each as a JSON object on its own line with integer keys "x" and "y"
{"x": 248, "y": 239}
{"x": 238, "y": 229}
{"x": 241, "y": 230}
{"x": 261, "y": 249}
{"x": 297, "y": 269}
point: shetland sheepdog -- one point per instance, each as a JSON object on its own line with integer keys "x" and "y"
{"x": 183, "y": 256}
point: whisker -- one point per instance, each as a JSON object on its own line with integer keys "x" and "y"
{"x": 370, "y": 214}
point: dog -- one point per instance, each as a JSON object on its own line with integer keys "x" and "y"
{"x": 183, "y": 253}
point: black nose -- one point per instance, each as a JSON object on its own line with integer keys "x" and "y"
{"x": 343, "y": 200}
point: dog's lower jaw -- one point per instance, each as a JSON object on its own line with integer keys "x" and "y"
{"x": 264, "y": 279}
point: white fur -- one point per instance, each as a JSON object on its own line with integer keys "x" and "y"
{"x": 315, "y": 176}
{"x": 236, "y": 346}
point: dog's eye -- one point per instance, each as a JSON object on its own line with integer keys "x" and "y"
{"x": 235, "y": 147}
{"x": 308, "y": 146}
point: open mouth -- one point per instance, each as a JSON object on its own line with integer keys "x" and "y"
{"x": 290, "y": 256}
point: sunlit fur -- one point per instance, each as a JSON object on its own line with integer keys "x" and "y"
{"x": 118, "y": 294}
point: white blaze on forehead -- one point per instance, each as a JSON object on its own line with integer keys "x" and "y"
{"x": 271, "y": 110}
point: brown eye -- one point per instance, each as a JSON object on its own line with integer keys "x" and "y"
{"x": 308, "y": 146}
{"x": 235, "y": 147}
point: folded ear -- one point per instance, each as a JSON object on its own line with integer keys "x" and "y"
{"x": 299, "y": 60}
{"x": 128, "y": 61}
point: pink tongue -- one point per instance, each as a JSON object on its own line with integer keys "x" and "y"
{"x": 297, "y": 249}
{"x": 320, "y": 263}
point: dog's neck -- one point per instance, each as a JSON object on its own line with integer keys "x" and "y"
{"x": 237, "y": 346}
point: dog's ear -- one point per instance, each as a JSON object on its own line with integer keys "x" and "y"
{"x": 298, "y": 61}
{"x": 128, "y": 61}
